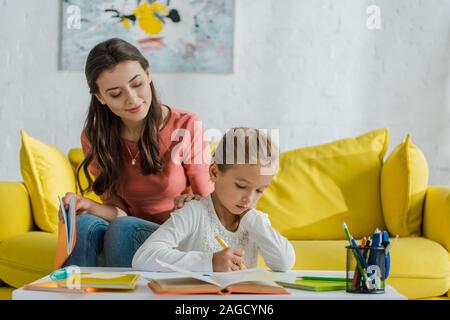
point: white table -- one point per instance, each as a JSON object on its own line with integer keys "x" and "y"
{"x": 142, "y": 292}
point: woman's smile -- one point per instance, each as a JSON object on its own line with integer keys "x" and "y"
{"x": 136, "y": 109}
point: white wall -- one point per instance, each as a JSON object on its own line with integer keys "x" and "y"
{"x": 310, "y": 68}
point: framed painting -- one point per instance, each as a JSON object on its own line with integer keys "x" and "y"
{"x": 174, "y": 35}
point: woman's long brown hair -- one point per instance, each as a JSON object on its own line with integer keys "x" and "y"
{"x": 103, "y": 127}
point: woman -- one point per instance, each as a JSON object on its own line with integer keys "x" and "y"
{"x": 128, "y": 147}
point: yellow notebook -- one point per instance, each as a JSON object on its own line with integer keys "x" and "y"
{"x": 55, "y": 286}
{"x": 103, "y": 280}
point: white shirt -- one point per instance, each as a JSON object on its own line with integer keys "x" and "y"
{"x": 187, "y": 240}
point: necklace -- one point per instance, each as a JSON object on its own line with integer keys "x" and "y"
{"x": 133, "y": 159}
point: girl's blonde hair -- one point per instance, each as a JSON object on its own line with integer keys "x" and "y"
{"x": 246, "y": 146}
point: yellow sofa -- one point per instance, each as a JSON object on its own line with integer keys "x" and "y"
{"x": 315, "y": 189}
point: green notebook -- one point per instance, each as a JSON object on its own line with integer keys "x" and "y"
{"x": 315, "y": 284}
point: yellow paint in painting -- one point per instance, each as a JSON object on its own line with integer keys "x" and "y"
{"x": 126, "y": 23}
{"x": 147, "y": 20}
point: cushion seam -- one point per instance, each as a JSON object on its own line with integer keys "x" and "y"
{"x": 409, "y": 185}
{"x": 405, "y": 206}
{"x": 29, "y": 155}
{"x": 38, "y": 181}
{"x": 444, "y": 276}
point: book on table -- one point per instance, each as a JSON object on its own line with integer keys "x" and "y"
{"x": 316, "y": 283}
{"x": 88, "y": 282}
{"x": 249, "y": 281}
{"x": 54, "y": 286}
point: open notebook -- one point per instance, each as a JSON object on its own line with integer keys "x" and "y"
{"x": 251, "y": 281}
{"x": 67, "y": 231}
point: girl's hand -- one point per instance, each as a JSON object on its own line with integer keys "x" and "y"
{"x": 83, "y": 204}
{"x": 183, "y": 198}
{"x": 228, "y": 259}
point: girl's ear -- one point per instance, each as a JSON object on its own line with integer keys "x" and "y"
{"x": 99, "y": 98}
{"x": 213, "y": 171}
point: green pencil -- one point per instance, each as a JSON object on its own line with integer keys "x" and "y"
{"x": 323, "y": 278}
{"x": 362, "y": 270}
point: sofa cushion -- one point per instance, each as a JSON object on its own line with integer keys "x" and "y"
{"x": 6, "y": 293}
{"x": 47, "y": 174}
{"x": 436, "y": 219}
{"x": 404, "y": 182}
{"x": 15, "y": 212}
{"x": 27, "y": 257}
{"x": 317, "y": 188}
{"x": 420, "y": 267}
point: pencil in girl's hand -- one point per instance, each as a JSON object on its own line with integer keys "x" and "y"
{"x": 225, "y": 246}
{"x": 221, "y": 242}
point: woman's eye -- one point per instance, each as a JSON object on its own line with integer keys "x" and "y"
{"x": 259, "y": 191}
{"x": 239, "y": 186}
{"x": 137, "y": 85}
{"x": 115, "y": 95}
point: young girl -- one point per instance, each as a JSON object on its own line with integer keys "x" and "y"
{"x": 240, "y": 171}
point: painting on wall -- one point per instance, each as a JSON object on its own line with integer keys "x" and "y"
{"x": 174, "y": 35}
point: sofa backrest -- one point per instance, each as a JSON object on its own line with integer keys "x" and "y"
{"x": 318, "y": 188}
{"x": 15, "y": 210}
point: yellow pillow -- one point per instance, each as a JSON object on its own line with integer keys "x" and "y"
{"x": 47, "y": 174}
{"x": 317, "y": 188}
{"x": 404, "y": 181}
{"x": 76, "y": 156}
{"x": 27, "y": 257}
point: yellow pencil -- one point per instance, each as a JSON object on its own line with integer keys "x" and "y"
{"x": 225, "y": 246}
{"x": 221, "y": 242}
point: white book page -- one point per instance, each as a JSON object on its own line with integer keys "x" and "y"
{"x": 188, "y": 273}
{"x": 225, "y": 279}
{"x": 71, "y": 221}
{"x": 64, "y": 215}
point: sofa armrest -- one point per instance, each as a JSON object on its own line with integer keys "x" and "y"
{"x": 436, "y": 217}
{"x": 15, "y": 210}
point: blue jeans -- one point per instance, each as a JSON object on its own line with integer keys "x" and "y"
{"x": 114, "y": 242}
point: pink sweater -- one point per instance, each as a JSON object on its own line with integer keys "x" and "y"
{"x": 151, "y": 197}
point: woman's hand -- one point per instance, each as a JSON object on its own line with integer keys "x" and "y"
{"x": 183, "y": 198}
{"x": 228, "y": 259}
{"x": 112, "y": 207}
{"x": 84, "y": 205}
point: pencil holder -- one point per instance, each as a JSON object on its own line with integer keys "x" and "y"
{"x": 366, "y": 269}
